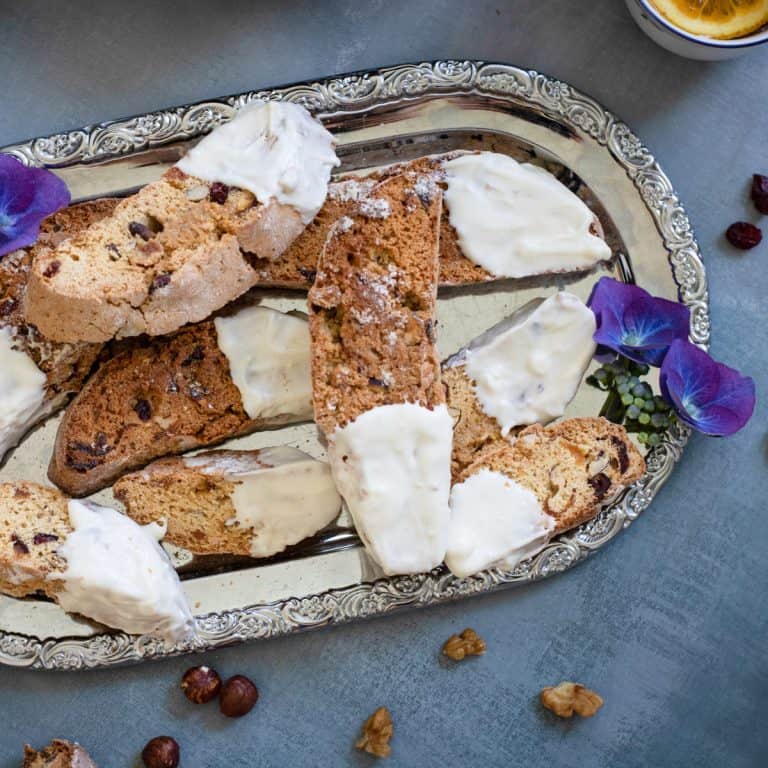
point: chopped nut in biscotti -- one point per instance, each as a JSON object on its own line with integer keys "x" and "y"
{"x": 377, "y": 732}
{"x": 567, "y": 699}
{"x": 468, "y": 643}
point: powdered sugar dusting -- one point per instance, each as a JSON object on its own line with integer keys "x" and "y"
{"x": 375, "y": 207}
{"x": 426, "y": 187}
{"x": 350, "y": 190}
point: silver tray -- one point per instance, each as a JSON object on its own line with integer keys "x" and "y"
{"x": 379, "y": 117}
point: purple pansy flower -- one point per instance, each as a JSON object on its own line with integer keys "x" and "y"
{"x": 707, "y": 395}
{"x": 635, "y": 324}
{"x": 27, "y": 196}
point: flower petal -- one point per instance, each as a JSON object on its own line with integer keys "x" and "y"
{"x": 27, "y": 196}
{"x": 17, "y": 190}
{"x": 707, "y": 395}
{"x": 635, "y": 324}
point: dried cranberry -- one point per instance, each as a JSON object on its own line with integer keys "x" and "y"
{"x": 19, "y": 547}
{"x": 600, "y": 484}
{"x": 143, "y": 409}
{"x": 52, "y": 269}
{"x": 195, "y": 356}
{"x": 44, "y": 538}
{"x": 142, "y": 230}
{"x": 621, "y": 450}
{"x": 219, "y": 192}
{"x": 160, "y": 282}
{"x": 743, "y": 235}
{"x": 760, "y": 192}
{"x": 308, "y": 274}
{"x": 7, "y": 306}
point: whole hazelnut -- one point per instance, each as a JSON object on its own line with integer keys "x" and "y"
{"x": 238, "y": 696}
{"x": 161, "y": 752}
{"x": 201, "y": 684}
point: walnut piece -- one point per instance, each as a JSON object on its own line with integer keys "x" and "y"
{"x": 377, "y": 731}
{"x": 567, "y": 699}
{"x": 468, "y": 643}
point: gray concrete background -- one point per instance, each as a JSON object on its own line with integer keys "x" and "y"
{"x": 668, "y": 623}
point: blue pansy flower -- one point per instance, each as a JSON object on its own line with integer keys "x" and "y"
{"x": 27, "y": 196}
{"x": 707, "y": 395}
{"x": 635, "y": 324}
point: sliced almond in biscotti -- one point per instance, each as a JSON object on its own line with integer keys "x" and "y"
{"x": 510, "y": 502}
{"x": 243, "y": 371}
{"x": 524, "y": 370}
{"x": 376, "y": 378}
{"x": 91, "y": 560}
{"x": 179, "y": 249}
{"x": 38, "y": 376}
{"x": 253, "y": 503}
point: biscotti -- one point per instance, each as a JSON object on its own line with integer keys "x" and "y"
{"x": 37, "y": 375}
{"x": 524, "y": 370}
{"x": 510, "y": 502}
{"x": 372, "y": 307}
{"x": 245, "y": 370}
{"x": 91, "y": 560}
{"x": 58, "y": 754}
{"x": 253, "y": 503}
{"x": 180, "y": 248}
{"x": 376, "y": 380}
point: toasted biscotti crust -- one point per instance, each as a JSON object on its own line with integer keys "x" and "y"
{"x": 34, "y": 521}
{"x": 571, "y": 466}
{"x": 372, "y": 306}
{"x": 160, "y": 396}
{"x": 170, "y": 254}
{"x": 65, "y": 365}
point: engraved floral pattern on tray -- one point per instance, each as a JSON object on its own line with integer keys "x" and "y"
{"x": 357, "y": 93}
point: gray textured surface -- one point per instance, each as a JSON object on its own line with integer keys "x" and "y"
{"x": 668, "y": 623}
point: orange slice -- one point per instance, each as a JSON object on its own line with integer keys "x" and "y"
{"x": 722, "y": 19}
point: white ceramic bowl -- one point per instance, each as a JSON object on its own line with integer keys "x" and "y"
{"x": 685, "y": 44}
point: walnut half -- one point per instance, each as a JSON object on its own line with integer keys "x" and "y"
{"x": 377, "y": 731}
{"x": 567, "y": 699}
{"x": 468, "y": 643}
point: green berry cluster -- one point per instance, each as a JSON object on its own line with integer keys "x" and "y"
{"x": 630, "y": 401}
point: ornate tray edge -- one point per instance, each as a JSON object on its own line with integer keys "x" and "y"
{"x": 349, "y": 93}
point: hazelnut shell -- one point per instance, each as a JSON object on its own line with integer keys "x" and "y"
{"x": 238, "y": 696}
